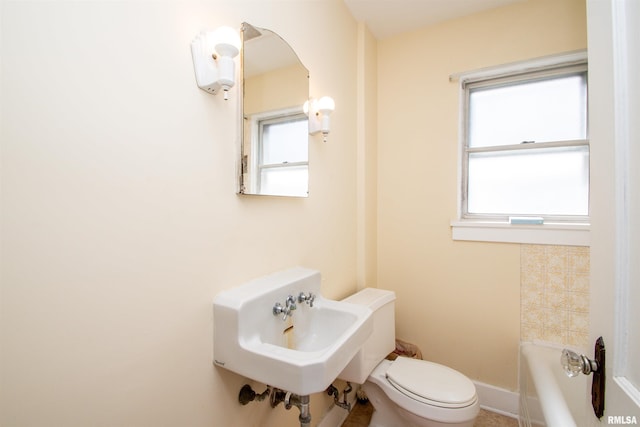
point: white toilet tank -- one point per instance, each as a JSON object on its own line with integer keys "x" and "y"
{"x": 382, "y": 340}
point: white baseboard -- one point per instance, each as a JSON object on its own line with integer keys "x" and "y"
{"x": 335, "y": 416}
{"x": 497, "y": 399}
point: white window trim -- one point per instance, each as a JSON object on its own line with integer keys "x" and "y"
{"x": 543, "y": 234}
{"x": 577, "y": 234}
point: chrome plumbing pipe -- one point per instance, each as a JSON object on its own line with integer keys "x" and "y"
{"x": 290, "y": 400}
{"x": 302, "y": 402}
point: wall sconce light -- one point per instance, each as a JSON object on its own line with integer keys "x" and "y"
{"x": 318, "y": 111}
{"x": 213, "y": 62}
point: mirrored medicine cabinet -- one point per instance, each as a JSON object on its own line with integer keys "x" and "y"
{"x": 275, "y": 130}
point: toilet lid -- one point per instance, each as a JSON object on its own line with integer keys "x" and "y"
{"x": 431, "y": 383}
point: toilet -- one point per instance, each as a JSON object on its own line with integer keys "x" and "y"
{"x": 406, "y": 392}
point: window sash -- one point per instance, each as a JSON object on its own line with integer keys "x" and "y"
{"x": 539, "y": 109}
{"x": 282, "y": 120}
{"x": 295, "y": 166}
{"x": 562, "y": 191}
{"x": 277, "y": 179}
{"x": 513, "y": 77}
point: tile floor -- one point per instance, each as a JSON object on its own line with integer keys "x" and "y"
{"x": 361, "y": 415}
{"x": 491, "y": 419}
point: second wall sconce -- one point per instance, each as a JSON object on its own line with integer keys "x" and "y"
{"x": 213, "y": 62}
{"x": 319, "y": 111}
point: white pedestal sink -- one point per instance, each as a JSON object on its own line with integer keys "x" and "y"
{"x": 304, "y": 353}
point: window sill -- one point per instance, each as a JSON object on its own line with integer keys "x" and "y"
{"x": 545, "y": 234}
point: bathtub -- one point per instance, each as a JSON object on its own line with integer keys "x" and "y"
{"x": 547, "y": 396}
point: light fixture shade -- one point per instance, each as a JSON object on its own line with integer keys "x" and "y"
{"x": 318, "y": 111}
{"x": 227, "y": 42}
{"x": 326, "y": 105}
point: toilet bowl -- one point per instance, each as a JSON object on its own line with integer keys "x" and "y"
{"x": 420, "y": 393}
{"x": 406, "y": 392}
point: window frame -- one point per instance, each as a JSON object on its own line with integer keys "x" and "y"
{"x": 556, "y": 229}
{"x": 258, "y": 121}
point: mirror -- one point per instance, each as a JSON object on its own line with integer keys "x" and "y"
{"x": 275, "y": 130}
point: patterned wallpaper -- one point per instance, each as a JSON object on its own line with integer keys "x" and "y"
{"x": 554, "y": 294}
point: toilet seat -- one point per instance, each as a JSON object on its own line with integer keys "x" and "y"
{"x": 416, "y": 405}
{"x": 431, "y": 383}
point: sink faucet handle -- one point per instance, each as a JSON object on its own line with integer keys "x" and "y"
{"x": 278, "y": 309}
{"x": 306, "y": 298}
{"x": 291, "y": 303}
{"x": 289, "y": 306}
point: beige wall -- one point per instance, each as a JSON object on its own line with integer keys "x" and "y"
{"x": 279, "y": 89}
{"x": 120, "y": 221}
{"x": 459, "y": 301}
{"x": 367, "y": 158}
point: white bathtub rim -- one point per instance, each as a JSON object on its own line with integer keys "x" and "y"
{"x": 552, "y": 402}
{"x": 553, "y": 345}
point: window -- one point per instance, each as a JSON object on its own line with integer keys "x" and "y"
{"x": 525, "y": 148}
{"x": 281, "y": 154}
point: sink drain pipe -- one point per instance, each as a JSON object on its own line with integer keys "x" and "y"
{"x": 290, "y": 400}
{"x": 302, "y": 402}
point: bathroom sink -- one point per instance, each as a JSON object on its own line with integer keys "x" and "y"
{"x": 302, "y": 353}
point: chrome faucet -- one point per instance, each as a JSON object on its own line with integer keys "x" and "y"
{"x": 290, "y": 305}
{"x": 306, "y": 298}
